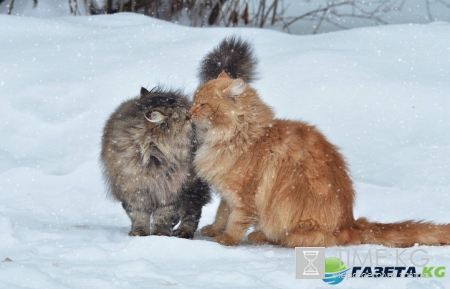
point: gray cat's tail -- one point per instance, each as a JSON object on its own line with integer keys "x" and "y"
{"x": 234, "y": 56}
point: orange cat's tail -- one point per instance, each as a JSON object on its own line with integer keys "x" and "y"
{"x": 403, "y": 234}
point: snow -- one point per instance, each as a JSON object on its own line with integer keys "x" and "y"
{"x": 379, "y": 93}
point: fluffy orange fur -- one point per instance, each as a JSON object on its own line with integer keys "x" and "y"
{"x": 282, "y": 177}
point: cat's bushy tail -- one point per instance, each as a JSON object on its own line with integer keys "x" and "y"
{"x": 403, "y": 234}
{"x": 234, "y": 56}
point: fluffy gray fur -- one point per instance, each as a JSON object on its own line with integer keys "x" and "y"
{"x": 148, "y": 146}
{"x": 234, "y": 56}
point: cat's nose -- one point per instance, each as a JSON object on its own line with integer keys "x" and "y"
{"x": 190, "y": 113}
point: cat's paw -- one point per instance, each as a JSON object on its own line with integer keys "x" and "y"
{"x": 226, "y": 240}
{"x": 161, "y": 232}
{"x": 183, "y": 233}
{"x": 210, "y": 231}
{"x": 137, "y": 232}
{"x": 258, "y": 238}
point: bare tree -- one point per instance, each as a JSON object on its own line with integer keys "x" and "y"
{"x": 11, "y": 5}
{"x": 334, "y": 10}
{"x": 255, "y": 13}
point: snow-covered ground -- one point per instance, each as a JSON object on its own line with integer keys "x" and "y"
{"x": 382, "y": 94}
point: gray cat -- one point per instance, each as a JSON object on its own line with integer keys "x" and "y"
{"x": 148, "y": 146}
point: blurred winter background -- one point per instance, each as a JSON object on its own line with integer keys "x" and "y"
{"x": 292, "y": 16}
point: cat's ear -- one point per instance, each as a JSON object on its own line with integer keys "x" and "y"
{"x": 144, "y": 92}
{"x": 223, "y": 74}
{"x": 236, "y": 88}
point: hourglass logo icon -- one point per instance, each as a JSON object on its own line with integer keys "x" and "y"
{"x": 310, "y": 256}
{"x": 310, "y": 263}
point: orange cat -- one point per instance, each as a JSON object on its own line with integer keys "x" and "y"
{"x": 282, "y": 177}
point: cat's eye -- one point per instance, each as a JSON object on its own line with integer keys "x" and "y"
{"x": 155, "y": 117}
{"x": 199, "y": 104}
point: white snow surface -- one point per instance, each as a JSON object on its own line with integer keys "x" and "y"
{"x": 381, "y": 94}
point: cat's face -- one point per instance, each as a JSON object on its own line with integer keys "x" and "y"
{"x": 164, "y": 115}
{"x": 220, "y": 103}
